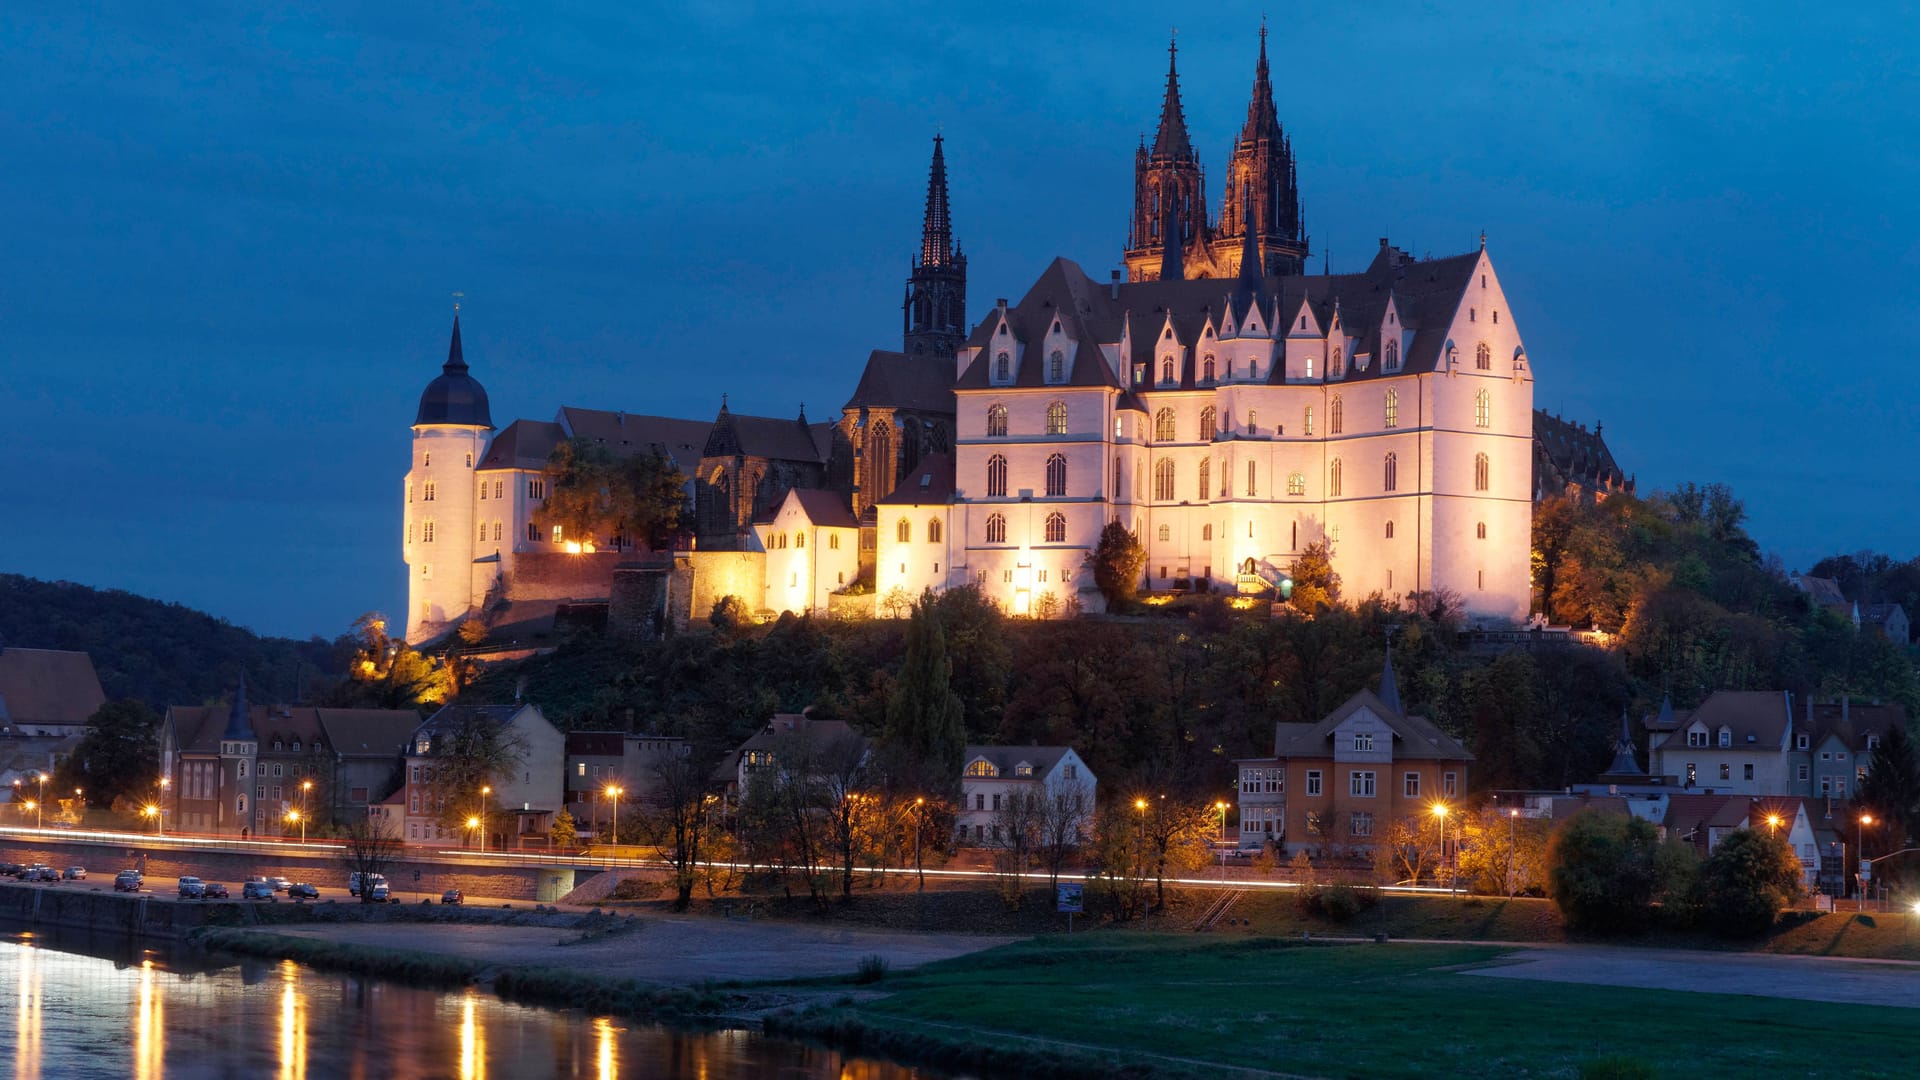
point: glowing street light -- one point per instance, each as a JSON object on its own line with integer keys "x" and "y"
{"x": 919, "y": 825}
{"x": 1773, "y": 824}
{"x": 1860, "y": 850}
{"x": 296, "y": 816}
{"x": 34, "y": 805}
{"x": 478, "y": 822}
{"x": 152, "y": 811}
{"x": 614, "y": 791}
{"x": 1440, "y": 821}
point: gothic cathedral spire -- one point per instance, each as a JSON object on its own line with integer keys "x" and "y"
{"x": 1263, "y": 196}
{"x": 1169, "y": 194}
{"x": 935, "y": 311}
{"x": 1171, "y": 140}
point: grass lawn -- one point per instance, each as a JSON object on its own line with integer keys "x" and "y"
{"x": 1365, "y": 1011}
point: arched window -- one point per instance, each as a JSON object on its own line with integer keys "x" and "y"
{"x": 1480, "y": 531}
{"x": 1057, "y": 475}
{"x": 1480, "y": 472}
{"x": 426, "y": 532}
{"x": 1393, "y": 408}
{"x": 996, "y": 529}
{"x": 1336, "y": 366}
{"x": 1119, "y": 487}
{"x": 483, "y": 531}
{"x": 1309, "y": 423}
{"x": 933, "y": 530}
{"x": 1483, "y": 358}
{"x": 496, "y": 530}
{"x": 1206, "y": 369}
{"x": 996, "y": 477}
{"x": 1056, "y": 366}
{"x": 1166, "y": 534}
{"x": 1206, "y": 468}
{"x": 1389, "y": 530}
{"x": 1166, "y": 370}
{"x": 483, "y": 488}
{"x": 428, "y": 496}
{"x": 996, "y": 421}
{"x": 1206, "y": 531}
{"x": 1482, "y": 408}
{"x": 1393, "y": 356}
{"x": 1057, "y": 418}
{"x": 1390, "y": 480}
{"x": 1163, "y": 429}
{"x": 833, "y": 542}
{"x": 903, "y": 531}
{"x": 1253, "y": 487}
{"x": 1296, "y": 484}
{"x": 1003, "y": 367}
{"x": 981, "y": 767}
{"x": 1163, "y": 480}
{"x": 799, "y": 539}
{"x": 1336, "y": 416}
{"x": 1056, "y": 528}
{"x": 1209, "y": 423}
{"x": 1333, "y": 478}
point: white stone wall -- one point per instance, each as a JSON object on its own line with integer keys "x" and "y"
{"x": 440, "y": 572}
{"x": 812, "y": 562}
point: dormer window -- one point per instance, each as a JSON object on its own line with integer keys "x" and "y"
{"x": 1003, "y": 363}
{"x": 1800, "y": 741}
{"x": 1023, "y": 769}
{"x": 981, "y": 767}
{"x": 1057, "y": 366}
{"x": 1166, "y": 369}
{"x": 1696, "y": 738}
{"x": 1363, "y": 741}
{"x": 1873, "y": 742}
{"x": 1726, "y": 738}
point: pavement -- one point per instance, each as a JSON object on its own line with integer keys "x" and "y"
{"x": 1807, "y": 978}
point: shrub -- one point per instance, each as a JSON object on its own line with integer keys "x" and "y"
{"x": 1602, "y": 871}
{"x": 873, "y": 968}
{"x": 1338, "y": 902}
{"x": 730, "y": 615}
{"x": 1743, "y": 885}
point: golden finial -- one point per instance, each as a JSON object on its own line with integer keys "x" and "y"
{"x": 457, "y": 297}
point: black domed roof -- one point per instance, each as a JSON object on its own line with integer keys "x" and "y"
{"x": 455, "y": 397}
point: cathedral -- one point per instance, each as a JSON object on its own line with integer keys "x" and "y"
{"x": 1220, "y": 401}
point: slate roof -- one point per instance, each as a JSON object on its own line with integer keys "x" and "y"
{"x": 368, "y": 733}
{"x": 824, "y": 508}
{"x": 1415, "y": 737}
{"x": 1004, "y": 758}
{"x": 454, "y": 397}
{"x": 47, "y": 686}
{"x": 1578, "y": 455}
{"x": 929, "y": 483}
{"x": 523, "y": 444}
{"x": 1854, "y": 723}
{"x": 1762, "y": 714}
{"x": 626, "y": 434}
{"x": 1824, "y": 592}
{"x": 596, "y": 743}
{"x": 373, "y": 733}
{"x": 768, "y": 437}
{"x": 902, "y": 381}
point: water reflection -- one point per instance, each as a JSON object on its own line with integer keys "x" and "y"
{"x": 84, "y": 1007}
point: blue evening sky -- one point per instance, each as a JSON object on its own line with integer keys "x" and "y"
{"x": 230, "y": 238}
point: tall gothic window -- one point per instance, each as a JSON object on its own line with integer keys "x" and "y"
{"x": 1336, "y": 366}
{"x": 1206, "y": 468}
{"x": 1206, "y": 370}
{"x": 996, "y": 529}
{"x": 426, "y": 532}
{"x": 1056, "y": 366}
{"x": 1206, "y": 531}
{"x": 1056, "y": 528}
{"x": 1336, "y": 416}
{"x": 1057, "y": 418}
{"x": 933, "y": 530}
{"x": 1209, "y": 421}
{"x": 1393, "y": 356}
{"x": 1003, "y": 367}
{"x": 1309, "y": 423}
{"x": 1390, "y": 479}
{"x": 1482, "y": 409}
{"x": 1333, "y": 478}
{"x": 1163, "y": 480}
{"x": 1057, "y": 475}
{"x": 1389, "y": 536}
{"x": 1483, "y": 358}
{"x": 1118, "y": 488}
{"x": 1393, "y": 408}
{"x": 996, "y": 421}
{"x": 428, "y": 496}
{"x": 1163, "y": 429}
{"x": 903, "y": 532}
{"x": 996, "y": 477}
{"x": 1253, "y": 487}
{"x": 1480, "y": 531}
{"x": 1480, "y": 472}
{"x": 1166, "y": 370}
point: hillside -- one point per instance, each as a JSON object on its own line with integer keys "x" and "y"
{"x": 158, "y": 652}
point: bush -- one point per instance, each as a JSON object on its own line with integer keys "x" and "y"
{"x": 1606, "y": 870}
{"x": 1743, "y": 885}
{"x": 1337, "y": 903}
{"x": 634, "y": 888}
{"x": 873, "y": 968}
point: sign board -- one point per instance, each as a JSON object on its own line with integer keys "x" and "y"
{"x": 1069, "y": 898}
{"x": 1866, "y": 870}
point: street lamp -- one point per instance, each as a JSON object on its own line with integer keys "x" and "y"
{"x": 1773, "y": 824}
{"x": 152, "y": 811}
{"x": 306, "y": 790}
{"x": 1511, "y": 815}
{"x": 1860, "y": 853}
{"x": 34, "y": 805}
{"x": 919, "y": 826}
{"x": 295, "y": 815}
{"x": 613, "y": 796}
{"x": 1440, "y": 820}
{"x": 473, "y": 822}
{"x": 479, "y": 821}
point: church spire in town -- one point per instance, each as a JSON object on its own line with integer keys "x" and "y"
{"x": 936, "y": 232}
{"x": 1263, "y": 120}
{"x": 1171, "y": 140}
{"x": 1389, "y": 694}
{"x": 456, "y": 360}
{"x": 934, "y": 315}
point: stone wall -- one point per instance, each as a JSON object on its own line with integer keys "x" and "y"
{"x": 715, "y": 574}
{"x": 638, "y": 608}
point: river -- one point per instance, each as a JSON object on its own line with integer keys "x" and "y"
{"x": 81, "y": 1006}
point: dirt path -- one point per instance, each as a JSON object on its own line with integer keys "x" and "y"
{"x": 667, "y": 949}
{"x": 1809, "y": 978}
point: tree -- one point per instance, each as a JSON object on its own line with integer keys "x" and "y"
{"x": 565, "y": 834}
{"x": 1891, "y": 787}
{"x": 1066, "y": 816}
{"x": 386, "y": 672}
{"x": 1116, "y": 562}
{"x": 119, "y": 756}
{"x": 470, "y": 751}
{"x": 850, "y": 804}
{"x": 925, "y": 735}
{"x": 1015, "y": 835}
{"x": 1120, "y": 860}
{"x": 1601, "y": 871}
{"x": 473, "y": 631}
{"x": 370, "y": 848}
{"x": 1177, "y": 833}
{"x": 1315, "y": 585}
{"x": 591, "y": 493}
{"x": 1502, "y": 854}
{"x": 729, "y": 616}
{"x": 1407, "y": 850}
{"x": 1747, "y": 879}
{"x": 677, "y": 823}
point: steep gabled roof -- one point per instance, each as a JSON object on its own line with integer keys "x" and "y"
{"x": 768, "y": 437}
{"x": 929, "y": 483}
{"x": 1415, "y": 737}
{"x": 47, "y": 686}
{"x": 899, "y": 380}
{"x": 1005, "y": 758}
{"x": 371, "y": 733}
{"x": 1762, "y": 714}
{"x": 523, "y": 444}
{"x": 824, "y": 508}
{"x": 626, "y": 434}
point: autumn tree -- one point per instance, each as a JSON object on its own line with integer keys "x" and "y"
{"x": 592, "y": 493}
{"x": 1315, "y": 585}
{"x": 387, "y": 673}
{"x": 565, "y": 833}
{"x": 1117, "y": 561}
{"x": 1502, "y": 853}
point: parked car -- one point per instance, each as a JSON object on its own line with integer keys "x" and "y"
{"x": 128, "y": 881}
{"x": 453, "y": 896}
{"x": 215, "y": 891}
{"x": 74, "y": 873}
{"x": 258, "y": 889}
{"x": 302, "y": 891}
{"x": 354, "y": 882}
{"x": 279, "y": 884}
{"x": 192, "y": 888}
{"x": 381, "y": 892}
{"x": 42, "y": 872}
{"x": 11, "y": 869}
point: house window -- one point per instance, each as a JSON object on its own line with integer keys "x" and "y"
{"x": 996, "y": 477}
{"x": 1309, "y": 421}
{"x": 536, "y": 489}
{"x": 1253, "y": 422}
{"x": 1163, "y": 480}
{"x": 1360, "y": 783}
{"x": 1873, "y": 742}
{"x": 833, "y": 542}
{"x": 1747, "y": 772}
{"x": 1726, "y": 771}
{"x": 499, "y": 489}
{"x": 933, "y": 530}
{"x": 1393, "y": 358}
{"x": 1363, "y": 741}
{"x": 996, "y": 529}
{"x": 996, "y": 421}
{"x": 1163, "y": 427}
{"x": 1410, "y": 785}
{"x": 799, "y": 539}
{"x": 1803, "y": 773}
{"x": 1800, "y": 741}
{"x": 1696, "y": 738}
{"x": 1166, "y": 370}
{"x": 1483, "y": 360}
{"x": 1206, "y": 370}
{"x": 1362, "y": 824}
{"x": 427, "y": 494}
{"x": 1480, "y": 472}
{"x": 1056, "y": 528}
{"x": 1166, "y": 534}
{"x": 1296, "y": 484}
{"x": 981, "y": 767}
{"x": 903, "y": 531}
{"x": 1726, "y": 738}
{"x": 1056, "y": 366}
{"x": 1057, "y": 475}
{"x": 558, "y": 534}
{"x": 1206, "y": 531}
{"x": 1480, "y": 531}
{"x": 1449, "y": 784}
{"x": 1313, "y": 781}
{"x": 1206, "y": 478}
{"x": 1390, "y": 473}
{"x": 1023, "y": 769}
{"x": 1389, "y": 536}
{"x": 1393, "y": 408}
{"x": 426, "y": 532}
{"x": 1209, "y": 423}
{"x": 1057, "y": 418}
{"x": 1482, "y": 406}
{"x": 1336, "y": 416}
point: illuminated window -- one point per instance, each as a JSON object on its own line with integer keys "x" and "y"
{"x": 903, "y": 531}
{"x": 1206, "y": 467}
{"x": 1209, "y": 423}
{"x": 1163, "y": 429}
{"x": 1393, "y": 408}
{"x": 1163, "y": 480}
{"x": 833, "y": 542}
{"x": 1480, "y": 530}
{"x": 1056, "y": 528}
{"x": 799, "y": 539}
{"x": 996, "y": 476}
{"x": 427, "y": 458}
{"x": 1480, "y": 471}
{"x": 1335, "y": 416}
{"x": 1333, "y": 478}
{"x": 426, "y": 532}
{"x": 1253, "y": 488}
{"x": 996, "y": 529}
{"x": 981, "y": 767}
{"x": 1056, "y": 366}
{"x": 483, "y": 489}
{"x": 1057, "y": 418}
{"x": 1002, "y": 366}
{"x": 1296, "y": 484}
{"x": 499, "y": 489}
{"x": 427, "y": 492}
{"x": 1057, "y": 475}
{"x": 1482, "y": 409}
{"x": 933, "y": 530}
{"x": 558, "y": 535}
{"x": 1483, "y": 358}
{"x": 483, "y": 531}
{"x": 1390, "y": 474}
{"x": 996, "y": 421}
{"x": 496, "y": 530}
{"x": 1165, "y": 535}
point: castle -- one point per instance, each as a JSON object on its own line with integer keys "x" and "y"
{"x": 1225, "y": 405}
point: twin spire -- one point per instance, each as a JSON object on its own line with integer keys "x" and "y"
{"x": 1171, "y": 140}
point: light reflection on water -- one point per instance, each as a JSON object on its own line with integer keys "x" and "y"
{"x": 86, "y": 1007}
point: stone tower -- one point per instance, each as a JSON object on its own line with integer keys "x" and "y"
{"x": 450, "y": 431}
{"x": 1262, "y": 194}
{"x": 1169, "y": 196}
{"x": 239, "y": 756}
{"x": 935, "y": 314}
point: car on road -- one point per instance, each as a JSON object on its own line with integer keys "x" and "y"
{"x": 380, "y": 893}
{"x": 453, "y": 896}
{"x": 215, "y": 891}
{"x": 11, "y": 869}
{"x": 74, "y": 873}
{"x": 260, "y": 889}
{"x": 128, "y": 881}
{"x": 192, "y": 888}
{"x": 42, "y": 872}
{"x": 302, "y": 891}
{"x": 279, "y": 884}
